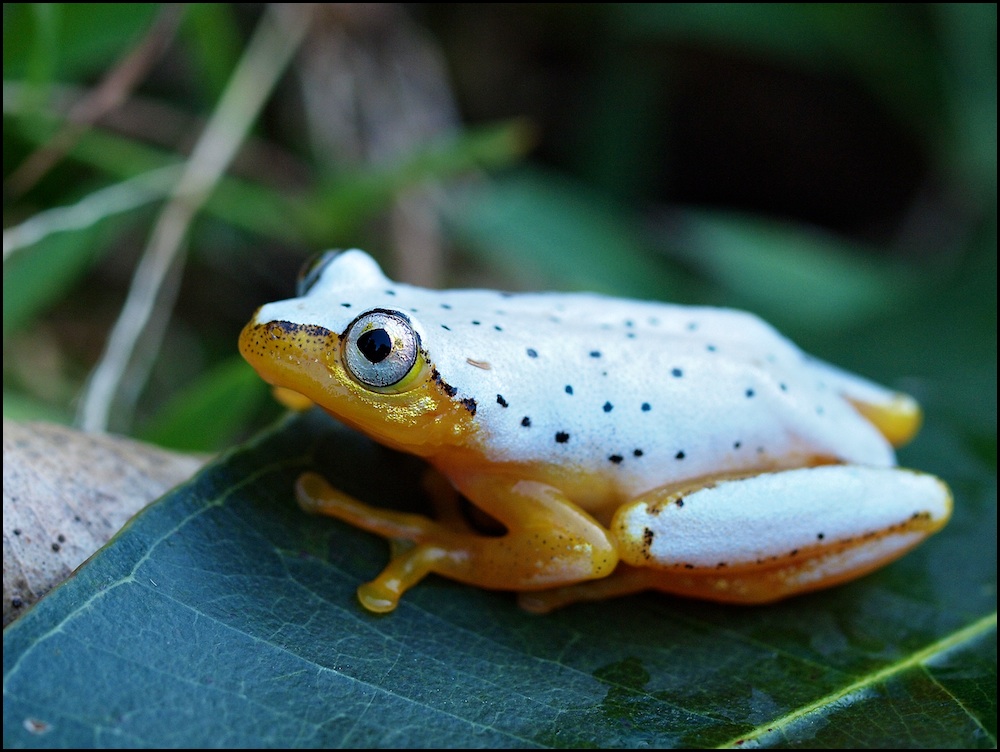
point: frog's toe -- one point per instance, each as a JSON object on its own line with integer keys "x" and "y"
{"x": 382, "y": 594}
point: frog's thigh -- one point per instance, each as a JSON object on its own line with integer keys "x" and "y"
{"x": 549, "y": 540}
{"x": 768, "y": 536}
{"x": 758, "y": 539}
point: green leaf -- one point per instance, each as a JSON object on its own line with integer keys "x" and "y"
{"x": 224, "y": 616}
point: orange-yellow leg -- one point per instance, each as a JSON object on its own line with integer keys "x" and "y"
{"x": 549, "y": 540}
{"x": 761, "y": 538}
{"x": 770, "y": 536}
{"x": 898, "y": 419}
{"x": 625, "y": 580}
{"x": 749, "y": 587}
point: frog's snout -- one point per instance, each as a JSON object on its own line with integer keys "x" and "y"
{"x": 280, "y": 351}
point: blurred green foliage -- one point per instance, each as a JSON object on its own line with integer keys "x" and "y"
{"x": 826, "y": 166}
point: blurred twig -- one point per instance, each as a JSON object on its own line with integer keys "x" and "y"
{"x": 271, "y": 48}
{"x": 156, "y": 122}
{"x": 109, "y": 94}
{"x": 375, "y": 86}
{"x": 114, "y": 199}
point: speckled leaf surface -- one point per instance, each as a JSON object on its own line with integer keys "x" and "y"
{"x": 224, "y": 616}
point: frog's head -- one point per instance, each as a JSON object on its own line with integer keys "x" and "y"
{"x": 368, "y": 369}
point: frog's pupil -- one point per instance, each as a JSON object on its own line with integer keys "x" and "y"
{"x": 375, "y": 344}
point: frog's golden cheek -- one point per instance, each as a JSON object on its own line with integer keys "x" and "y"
{"x": 418, "y": 414}
{"x": 288, "y": 355}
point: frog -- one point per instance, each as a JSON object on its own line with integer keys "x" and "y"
{"x": 582, "y": 447}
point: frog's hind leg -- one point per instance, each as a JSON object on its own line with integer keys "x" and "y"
{"x": 896, "y": 415}
{"x": 765, "y": 537}
{"x": 625, "y": 580}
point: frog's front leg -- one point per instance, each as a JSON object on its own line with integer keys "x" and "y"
{"x": 548, "y": 542}
{"x": 765, "y": 537}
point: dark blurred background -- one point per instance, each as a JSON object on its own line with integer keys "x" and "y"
{"x": 831, "y": 167}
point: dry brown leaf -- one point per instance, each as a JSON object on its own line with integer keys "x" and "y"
{"x": 65, "y": 493}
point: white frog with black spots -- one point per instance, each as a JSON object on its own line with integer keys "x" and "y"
{"x": 621, "y": 445}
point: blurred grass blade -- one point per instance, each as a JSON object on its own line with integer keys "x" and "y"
{"x": 209, "y": 413}
{"x": 115, "y": 87}
{"x": 559, "y": 234}
{"x": 113, "y": 199}
{"x": 969, "y": 40}
{"x": 795, "y": 277}
{"x": 342, "y": 206}
{"x": 326, "y": 215}
{"x": 23, "y": 408}
{"x": 882, "y": 44}
{"x": 780, "y": 30}
{"x": 39, "y": 275}
{"x": 269, "y": 50}
{"x": 214, "y": 40}
{"x": 41, "y": 61}
{"x": 70, "y": 41}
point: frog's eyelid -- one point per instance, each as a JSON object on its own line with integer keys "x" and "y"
{"x": 312, "y": 270}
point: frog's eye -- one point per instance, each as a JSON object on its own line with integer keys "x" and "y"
{"x": 311, "y": 271}
{"x": 380, "y": 348}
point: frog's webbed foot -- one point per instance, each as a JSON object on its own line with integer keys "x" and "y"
{"x": 407, "y": 567}
{"x": 549, "y": 541}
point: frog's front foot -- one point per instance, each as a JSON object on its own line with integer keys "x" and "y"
{"x": 406, "y": 568}
{"x": 548, "y": 543}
